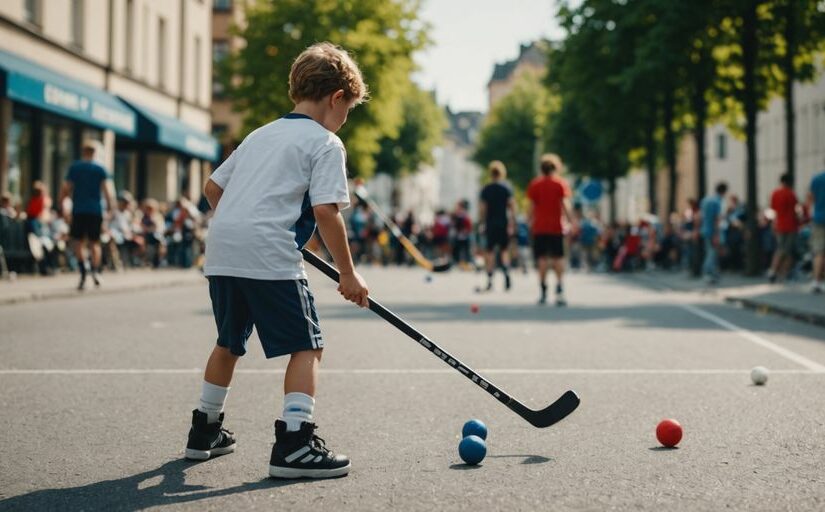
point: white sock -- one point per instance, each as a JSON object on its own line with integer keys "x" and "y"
{"x": 212, "y": 400}
{"x": 297, "y": 409}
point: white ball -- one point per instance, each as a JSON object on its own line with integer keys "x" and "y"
{"x": 759, "y": 375}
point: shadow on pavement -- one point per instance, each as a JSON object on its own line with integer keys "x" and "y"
{"x": 127, "y": 494}
{"x": 663, "y": 449}
{"x": 528, "y": 459}
{"x": 465, "y": 467}
{"x": 645, "y": 315}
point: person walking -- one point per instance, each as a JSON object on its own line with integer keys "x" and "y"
{"x": 786, "y": 226}
{"x": 87, "y": 183}
{"x": 549, "y": 197}
{"x": 816, "y": 203}
{"x": 268, "y": 195}
{"x": 497, "y": 214}
{"x": 710, "y": 210}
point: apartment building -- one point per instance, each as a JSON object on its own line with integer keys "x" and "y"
{"x": 226, "y": 122}
{"x": 133, "y": 74}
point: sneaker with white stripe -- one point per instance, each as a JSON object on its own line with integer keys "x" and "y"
{"x": 303, "y": 454}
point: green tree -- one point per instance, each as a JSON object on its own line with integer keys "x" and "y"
{"x": 422, "y": 129}
{"x": 801, "y": 26}
{"x": 382, "y": 35}
{"x": 513, "y": 129}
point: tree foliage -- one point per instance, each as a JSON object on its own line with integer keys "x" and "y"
{"x": 513, "y": 129}
{"x": 421, "y": 130}
{"x": 382, "y": 36}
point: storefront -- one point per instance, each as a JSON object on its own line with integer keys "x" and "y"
{"x": 44, "y": 117}
{"x": 166, "y": 159}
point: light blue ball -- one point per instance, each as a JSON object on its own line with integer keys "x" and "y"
{"x": 474, "y": 428}
{"x": 472, "y": 449}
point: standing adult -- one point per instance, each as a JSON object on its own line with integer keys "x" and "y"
{"x": 786, "y": 226}
{"x": 87, "y": 182}
{"x": 710, "y": 211}
{"x": 549, "y": 197}
{"x": 816, "y": 201}
{"x": 497, "y": 213}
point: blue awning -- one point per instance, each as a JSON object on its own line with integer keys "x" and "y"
{"x": 26, "y": 82}
{"x": 173, "y": 133}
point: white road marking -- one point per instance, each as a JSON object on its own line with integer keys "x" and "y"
{"x": 404, "y": 371}
{"x": 753, "y": 338}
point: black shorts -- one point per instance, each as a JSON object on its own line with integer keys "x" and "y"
{"x": 86, "y": 225}
{"x": 497, "y": 237}
{"x": 283, "y": 313}
{"x": 548, "y": 245}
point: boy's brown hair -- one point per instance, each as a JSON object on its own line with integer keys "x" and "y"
{"x": 322, "y": 69}
{"x": 550, "y": 162}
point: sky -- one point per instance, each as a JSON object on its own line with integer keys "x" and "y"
{"x": 470, "y": 37}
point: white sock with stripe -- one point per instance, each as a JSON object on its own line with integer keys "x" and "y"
{"x": 297, "y": 409}
{"x": 212, "y": 400}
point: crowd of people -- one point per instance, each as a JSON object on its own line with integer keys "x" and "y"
{"x": 706, "y": 238}
{"x": 126, "y": 234}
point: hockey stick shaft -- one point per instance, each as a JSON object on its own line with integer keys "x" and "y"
{"x": 410, "y": 247}
{"x": 425, "y": 342}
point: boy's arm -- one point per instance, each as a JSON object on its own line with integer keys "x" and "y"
{"x": 334, "y": 233}
{"x": 213, "y": 193}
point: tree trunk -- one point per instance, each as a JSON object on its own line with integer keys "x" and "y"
{"x": 670, "y": 150}
{"x": 790, "y": 76}
{"x": 749, "y": 50}
{"x": 700, "y": 110}
{"x": 611, "y": 184}
{"x": 650, "y": 157}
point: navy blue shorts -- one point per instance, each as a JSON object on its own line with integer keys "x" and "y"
{"x": 283, "y": 313}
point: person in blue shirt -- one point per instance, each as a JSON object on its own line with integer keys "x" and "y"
{"x": 816, "y": 202}
{"x": 87, "y": 183}
{"x": 710, "y": 211}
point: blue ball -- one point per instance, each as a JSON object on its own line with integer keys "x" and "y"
{"x": 472, "y": 449}
{"x": 474, "y": 428}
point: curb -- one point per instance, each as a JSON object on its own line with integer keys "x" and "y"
{"x": 71, "y": 293}
{"x": 763, "y": 307}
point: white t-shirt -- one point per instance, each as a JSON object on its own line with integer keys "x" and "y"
{"x": 270, "y": 182}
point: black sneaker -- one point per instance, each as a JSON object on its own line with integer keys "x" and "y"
{"x": 303, "y": 454}
{"x": 208, "y": 439}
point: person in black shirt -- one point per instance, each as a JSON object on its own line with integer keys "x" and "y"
{"x": 497, "y": 218}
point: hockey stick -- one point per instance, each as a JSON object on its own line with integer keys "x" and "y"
{"x": 362, "y": 194}
{"x": 550, "y": 415}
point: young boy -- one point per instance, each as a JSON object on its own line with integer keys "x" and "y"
{"x": 268, "y": 195}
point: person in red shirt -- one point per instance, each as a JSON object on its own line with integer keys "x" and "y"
{"x": 786, "y": 225}
{"x": 548, "y": 195}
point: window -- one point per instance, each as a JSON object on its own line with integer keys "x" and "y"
{"x": 129, "y": 43}
{"x": 222, "y": 5}
{"x": 721, "y": 146}
{"x": 162, "y": 53}
{"x": 32, "y": 12}
{"x": 198, "y": 69}
{"x": 220, "y": 49}
{"x": 77, "y": 23}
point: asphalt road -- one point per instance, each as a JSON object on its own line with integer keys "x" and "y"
{"x": 96, "y": 394}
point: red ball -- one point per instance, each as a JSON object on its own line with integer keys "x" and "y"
{"x": 474, "y": 308}
{"x": 669, "y": 432}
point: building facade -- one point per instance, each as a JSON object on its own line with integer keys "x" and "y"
{"x": 532, "y": 59}
{"x": 227, "y": 124}
{"x": 133, "y": 74}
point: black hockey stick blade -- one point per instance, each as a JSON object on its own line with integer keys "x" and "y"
{"x": 441, "y": 266}
{"x": 551, "y": 414}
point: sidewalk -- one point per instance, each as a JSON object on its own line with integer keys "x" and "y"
{"x": 26, "y": 288}
{"x": 792, "y": 300}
